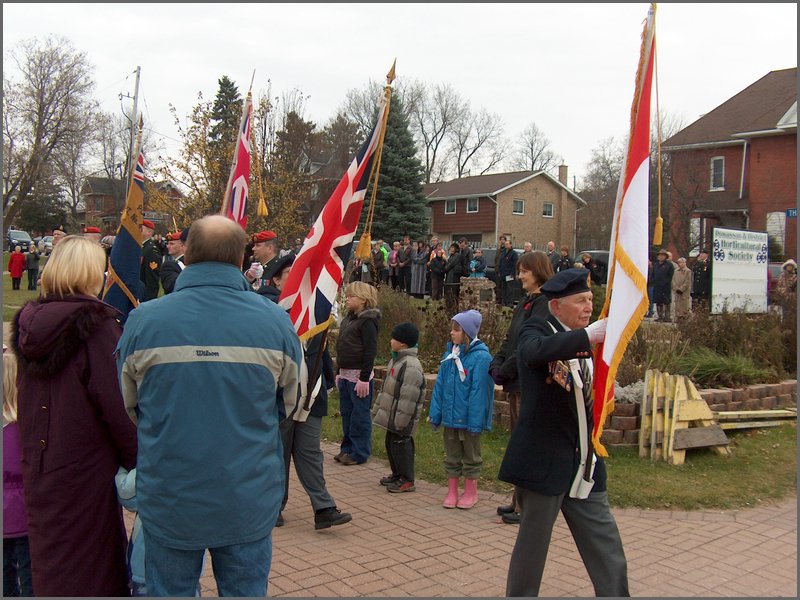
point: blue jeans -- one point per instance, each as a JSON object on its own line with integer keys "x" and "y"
{"x": 356, "y": 421}
{"x": 239, "y": 569}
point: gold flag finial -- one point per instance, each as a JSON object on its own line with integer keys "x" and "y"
{"x": 391, "y": 75}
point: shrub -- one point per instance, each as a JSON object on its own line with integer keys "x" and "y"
{"x": 706, "y": 368}
{"x": 653, "y": 346}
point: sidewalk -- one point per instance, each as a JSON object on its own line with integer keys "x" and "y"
{"x": 408, "y": 545}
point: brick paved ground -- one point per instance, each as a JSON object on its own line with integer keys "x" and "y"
{"x": 408, "y": 545}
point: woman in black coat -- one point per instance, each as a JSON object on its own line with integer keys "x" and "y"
{"x": 436, "y": 267}
{"x": 452, "y": 278}
{"x": 533, "y": 270}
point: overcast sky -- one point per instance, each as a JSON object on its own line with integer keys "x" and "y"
{"x": 569, "y": 68}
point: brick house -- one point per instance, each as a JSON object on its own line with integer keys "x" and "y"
{"x": 525, "y": 206}
{"x": 104, "y": 198}
{"x": 736, "y": 167}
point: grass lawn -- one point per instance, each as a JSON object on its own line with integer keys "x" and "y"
{"x": 762, "y": 467}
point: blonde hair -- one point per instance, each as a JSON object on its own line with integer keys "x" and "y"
{"x": 9, "y": 387}
{"x": 365, "y": 291}
{"x": 75, "y": 266}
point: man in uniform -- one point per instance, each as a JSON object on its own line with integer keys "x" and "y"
{"x": 549, "y": 457}
{"x": 266, "y": 253}
{"x": 173, "y": 265}
{"x": 58, "y": 234}
{"x": 151, "y": 262}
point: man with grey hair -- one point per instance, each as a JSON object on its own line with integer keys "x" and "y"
{"x": 201, "y": 372}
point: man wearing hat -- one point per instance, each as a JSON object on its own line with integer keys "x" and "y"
{"x": 58, "y": 234}
{"x": 265, "y": 254}
{"x": 549, "y": 457}
{"x": 151, "y": 262}
{"x": 301, "y": 433}
{"x": 93, "y": 233}
{"x": 173, "y": 265}
{"x": 663, "y": 270}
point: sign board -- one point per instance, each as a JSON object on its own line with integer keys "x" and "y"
{"x": 791, "y": 212}
{"x": 739, "y": 271}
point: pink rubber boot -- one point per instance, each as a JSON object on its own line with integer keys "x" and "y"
{"x": 470, "y": 497}
{"x": 452, "y": 493}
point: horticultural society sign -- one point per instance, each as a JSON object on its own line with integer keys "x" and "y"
{"x": 739, "y": 271}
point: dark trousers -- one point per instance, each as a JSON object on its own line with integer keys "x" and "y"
{"x": 33, "y": 276}
{"x": 395, "y": 281}
{"x": 17, "y": 580}
{"x": 15, "y": 283}
{"x": 400, "y": 450}
{"x": 595, "y": 533}
{"x": 436, "y": 288}
{"x": 301, "y": 441}
{"x": 405, "y": 279}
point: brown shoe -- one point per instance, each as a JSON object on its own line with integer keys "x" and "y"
{"x": 347, "y": 460}
{"x": 338, "y": 457}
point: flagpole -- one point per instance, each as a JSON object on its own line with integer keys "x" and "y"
{"x": 134, "y": 152}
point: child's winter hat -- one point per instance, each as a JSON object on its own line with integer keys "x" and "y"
{"x": 406, "y": 333}
{"x": 470, "y": 321}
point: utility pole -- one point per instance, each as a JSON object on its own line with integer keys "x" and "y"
{"x": 131, "y": 158}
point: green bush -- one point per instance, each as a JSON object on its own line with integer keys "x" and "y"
{"x": 653, "y": 346}
{"x": 706, "y": 368}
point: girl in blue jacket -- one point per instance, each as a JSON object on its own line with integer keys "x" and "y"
{"x": 463, "y": 402}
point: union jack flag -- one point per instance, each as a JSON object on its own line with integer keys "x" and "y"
{"x": 234, "y": 205}
{"x": 317, "y": 271}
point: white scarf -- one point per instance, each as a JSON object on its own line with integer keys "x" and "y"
{"x": 455, "y": 354}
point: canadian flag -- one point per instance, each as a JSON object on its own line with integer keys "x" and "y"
{"x": 627, "y": 274}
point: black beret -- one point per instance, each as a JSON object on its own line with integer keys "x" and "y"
{"x": 567, "y": 283}
{"x": 282, "y": 263}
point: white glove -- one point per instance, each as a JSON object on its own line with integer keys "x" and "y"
{"x": 255, "y": 271}
{"x": 597, "y": 331}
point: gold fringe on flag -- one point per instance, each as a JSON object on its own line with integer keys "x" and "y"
{"x": 658, "y": 231}
{"x": 365, "y": 242}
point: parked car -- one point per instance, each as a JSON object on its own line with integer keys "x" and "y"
{"x": 489, "y": 255}
{"x": 45, "y": 245}
{"x": 17, "y": 237}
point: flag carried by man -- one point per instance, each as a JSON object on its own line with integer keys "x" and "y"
{"x": 626, "y": 290}
{"x": 234, "y": 204}
{"x": 123, "y": 286}
{"x": 317, "y": 272}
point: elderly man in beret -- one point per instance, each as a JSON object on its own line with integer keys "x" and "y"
{"x": 151, "y": 262}
{"x": 173, "y": 265}
{"x": 93, "y": 233}
{"x": 549, "y": 458}
{"x": 266, "y": 252}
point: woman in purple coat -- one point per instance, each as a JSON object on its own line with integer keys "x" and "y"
{"x": 73, "y": 426}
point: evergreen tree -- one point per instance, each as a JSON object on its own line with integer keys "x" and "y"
{"x": 400, "y": 208}
{"x": 226, "y": 112}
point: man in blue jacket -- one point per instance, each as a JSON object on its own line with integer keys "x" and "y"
{"x": 200, "y": 371}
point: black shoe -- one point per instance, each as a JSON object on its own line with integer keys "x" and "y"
{"x": 511, "y": 518}
{"x": 338, "y": 457}
{"x": 328, "y": 517}
{"x": 389, "y": 479}
{"x": 504, "y": 510}
{"x": 279, "y": 521}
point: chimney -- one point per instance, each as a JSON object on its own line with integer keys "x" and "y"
{"x": 562, "y": 174}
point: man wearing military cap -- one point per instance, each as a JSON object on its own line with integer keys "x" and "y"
{"x": 265, "y": 252}
{"x": 58, "y": 234}
{"x": 93, "y": 233}
{"x": 151, "y": 262}
{"x": 173, "y": 265}
{"x": 549, "y": 458}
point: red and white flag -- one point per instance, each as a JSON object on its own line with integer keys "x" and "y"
{"x": 234, "y": 205}
{"x": 317, "y": 271}
{"x": 627, "y": 276}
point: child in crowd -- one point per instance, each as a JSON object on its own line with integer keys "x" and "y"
{"x": 17, "y": 578}
{"x": 356, "y": 348}
{"x": 398, "y": 407}
{"x": 463, "y": 402}
{"x": 126, "y": 492}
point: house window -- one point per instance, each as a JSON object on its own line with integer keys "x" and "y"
{"x": 450, "y": 207}
{"x": 518, "y": 207}
{"x": 717, "y": 173}
{"x": 776, "y": 228}
{"x": 472, "y": 205}
{"x": 547, "y": 210}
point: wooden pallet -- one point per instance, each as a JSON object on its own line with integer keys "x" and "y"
{"x": 674, "y": 418}
{"x": 754, "y": 419}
